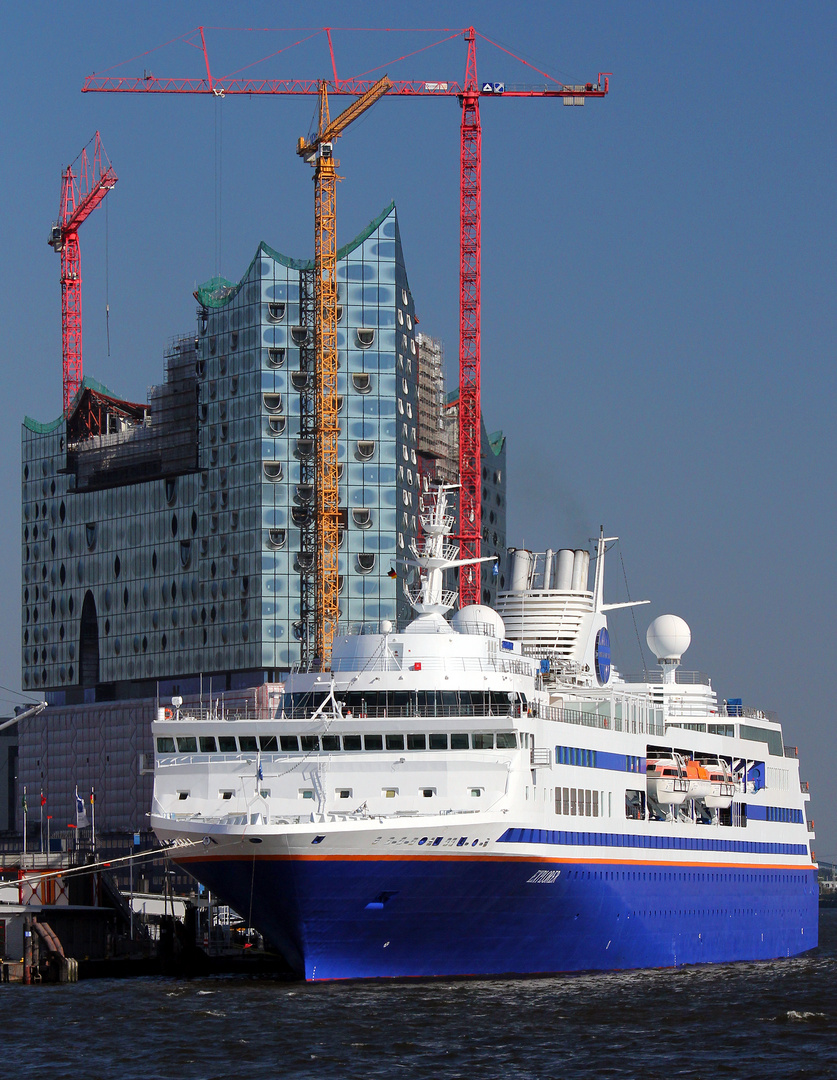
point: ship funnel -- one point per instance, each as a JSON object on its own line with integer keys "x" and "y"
{"x": 581, "y": 570}
{"x": 521, "y": 564}
{"x": 564, "y": 570}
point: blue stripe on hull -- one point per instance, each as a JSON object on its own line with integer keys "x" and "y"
{"x": 449, "y": 917}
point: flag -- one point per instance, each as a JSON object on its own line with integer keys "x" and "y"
{"x": 260, "y": 773}
{"x": 43, "y": 799}
{"x": 82, "y": 821}
{"x": 393, "y": 573}
{"x": 495, "y": 570}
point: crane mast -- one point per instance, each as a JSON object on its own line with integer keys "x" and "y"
{"x": 80, "y": 195}
{"x": 319, "y": 152}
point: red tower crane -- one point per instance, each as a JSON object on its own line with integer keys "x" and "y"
{"x": 81, "y": 193}
{"x": 469, "y": 93}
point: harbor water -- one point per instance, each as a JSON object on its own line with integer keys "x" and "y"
{"x": 740, "y": 1021}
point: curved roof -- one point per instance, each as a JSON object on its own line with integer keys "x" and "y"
{"x": 218, "y": 291}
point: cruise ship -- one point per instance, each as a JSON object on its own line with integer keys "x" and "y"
{"x": 482, "y": 793}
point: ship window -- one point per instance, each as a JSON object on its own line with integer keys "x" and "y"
{"x": 310, "y": 742}
{"x": 289, "y": 742}
{"x": 395, "y": 742}
{"x": 416, "y": 742}
{"x": 634, "y": 804}
{"x": 247, "y": 742}
{"x": 351, "y": 742}
{"x": 482, "y": 741}
{"x": 187, "y": 744}
{"x": 459, "y": 741}
{"x": 226, "y": 744}
{"x": 165, "y": 745}
{"x": 506, "y": 740}
{"x": 226, "y": 795}
{"x": 183, "y": 795}
{"x": 438, "y": 741}
{"x": 265, "y": 792}
{"x": 476, "y": 792}
{"x": 306, "y": 793}
{"x": 343, "y": 793}
{"x": 208, "y": 745}
{"x": 331, "y": 742}
{"x": 390, "y": 792}
{"x": 268, "y": 743}
{"x": 373, "y": 742}
{"x": 428, "y": 792}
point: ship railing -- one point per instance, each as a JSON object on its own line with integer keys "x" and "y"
{"x": 682, "y": 678}
{"x": 404, "y": 712}
{"x": 560, "y": 715}
{"x": 747, "y": 712}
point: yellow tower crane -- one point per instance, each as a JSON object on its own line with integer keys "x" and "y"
{"x": 319, "y": 153}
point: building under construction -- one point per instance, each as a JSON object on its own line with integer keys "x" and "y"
{"x": 168, "y": 548}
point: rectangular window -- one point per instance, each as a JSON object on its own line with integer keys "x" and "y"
{"x": 331, "y": 742}
{"x": 476, "y": 792}
{"x": 373, "y": 742}
{"x": 247, "y": 742}
{"x": 265, "y": 793}
{"x": 557, "y": 800}
{"x": 390, "y": 792}
{"x": 416, "y": 742}
{"x": 395, "y": 742}
{"x": 588, "y": 803}
{"x": 428, "y": 792}
{"x": 482, "y": 740}
{"x": 306, "y": 793}
{"x": 343, "y": 793}
{"x": 309, "y": 742}
{"x": 595, "y": 804}
{"x": 165, "y": 744}
{"x": 187, "y": 744}
{"x": 226, "y": 795}
{"x": 459, "y": 741}
{"x": 226, "y": 744}
{"x": 268, "y": 743}
{"x": 208, "y": 744}
{"x": 573, "y": 804}
{"x": 506, "y": 740}
{"x": 438, "y": 741}
{"x": 289, "y": 742}
{"x": 351, "y": 742}
{"x": 566, "y": 800}
{"x": 635, "y": 805}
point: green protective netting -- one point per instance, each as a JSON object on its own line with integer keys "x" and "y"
{"x": 51, "y": 425}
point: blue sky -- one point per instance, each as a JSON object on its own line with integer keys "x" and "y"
{"x": 658, "y": 329}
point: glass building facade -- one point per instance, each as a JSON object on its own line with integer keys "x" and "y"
{"x": 167, "y": 541}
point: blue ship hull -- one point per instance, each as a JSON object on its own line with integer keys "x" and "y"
{"x": 395, "y": 917}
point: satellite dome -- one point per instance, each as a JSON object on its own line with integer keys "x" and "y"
{"x": 478, "y": 619}
{"x": 668, "y": 637}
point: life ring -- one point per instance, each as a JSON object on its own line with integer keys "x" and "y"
{"x": 168, "y": 714}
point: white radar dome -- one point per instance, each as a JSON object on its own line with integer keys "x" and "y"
{"x": 478, "y": 619}
{"x": 668, "y": 637}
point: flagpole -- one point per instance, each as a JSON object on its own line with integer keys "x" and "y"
{"x": 41, "y": 829}
{"x": 93, "y": 820}
{"x": 24, "y": 822}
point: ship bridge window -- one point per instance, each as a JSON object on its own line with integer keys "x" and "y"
{"x": 187, "y": 744}
{"x": 459, "y": 740}
{"x": 208, "y": 744}
{"x": 506, "y": 740}
{"x": 482, "y": 741}
{"x": 268, "y": 743}
{"x": 373, "y": 742}
{"x": 351, "y": 742}
{"x": 165, "y": 744}
{"x": 310, "y": 742}
{"x": 416, "y": 742}
{"x": 289, "y": 742}
{"x": 331, "y": 742}
{"x": 247, "y": 743}
{"x": 437, "y": 740}
{"x": 226, "y": 744}
{"x": 395, "y": 742}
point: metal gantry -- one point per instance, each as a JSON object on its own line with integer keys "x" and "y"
{"x": 468, "y": 93}
{"x": 81, "y": 193}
